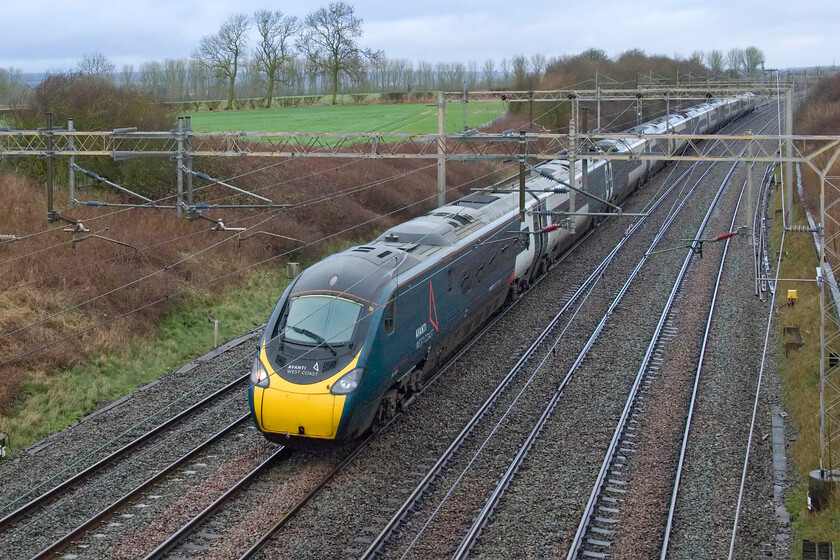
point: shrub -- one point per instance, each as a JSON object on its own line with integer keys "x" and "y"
{"x": 393, "y": 96}
{"x": 97, "y": 104}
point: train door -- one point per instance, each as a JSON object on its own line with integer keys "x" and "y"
{"x": 539, "y": 238}
{"x": 608, "y": 181}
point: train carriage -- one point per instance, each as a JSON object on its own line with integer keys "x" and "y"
{"x": 354, "y": 336}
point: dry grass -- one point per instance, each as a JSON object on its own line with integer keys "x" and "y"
{"x": 60, "y": 304}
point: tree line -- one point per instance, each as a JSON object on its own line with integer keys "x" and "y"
{"x": 270, "y": 54}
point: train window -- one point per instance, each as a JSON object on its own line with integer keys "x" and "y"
{"x": 390, "y": 316}
{"x": 449, "y": 279}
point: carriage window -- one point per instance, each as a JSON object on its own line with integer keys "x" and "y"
{"x": 390, "y": 317}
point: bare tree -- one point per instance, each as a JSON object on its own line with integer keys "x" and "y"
{"x": 222, "y": 53}
{"x": 151, "y": 78}
{"x": 489, "y": 73}
{"x": 11, "y": 85}
{"x": 697, "y": 57}
{"x": 127, "y": 75}
{"x": 175, "y": 79}
{"x": 715, "y": 62}
{"x": 274, "y": 49}
{"x": 505, "y": 68}
{"x": 753, "y": 58}
{"x": 328, "y": 41}
{"x": 472, "y": 75}
{"x": 98, "y": 65}
{"x": 425, "y": 75}
{"x": 538, "y": 65}
{"x": 520, "y": 71}
{"x": 734, "y": 61}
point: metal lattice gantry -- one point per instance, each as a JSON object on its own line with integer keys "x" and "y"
{"x": 829, "y": 234}
{"x": 456, "y": 147}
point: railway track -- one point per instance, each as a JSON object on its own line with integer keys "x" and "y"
{"x": 512, "y": 468}
{"x": 34, "y": 521}
{"x": 194, "y": 522}
{"x": 530, "y": 362}
{"x": 345, "y": 470}
{"x": 667, "y": 352}
{"x": 293, "y": 525}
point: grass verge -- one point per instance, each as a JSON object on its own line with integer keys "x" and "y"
{"x": 49, "y": 403}
{"x": 800, "y": 372}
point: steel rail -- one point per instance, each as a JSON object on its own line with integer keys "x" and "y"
{"x": 66, "y": 540}
{"x": 484, "y": 515}
{"x": 486, "y": 512}
{"x": 105, "y": 461}
{"x": 173, "y": 540}
{"x": 589, "y": 509}
{"x": 695, "y": 389}
{"x": 274, "y": 529}
{"x": 396, "y": 519}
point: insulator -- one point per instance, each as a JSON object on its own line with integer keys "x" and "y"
{"x": 202, "y": 206}
{"x": 92, "y": 203}
{"x": 552, "y": 227}
{"x": 802, "y": 229}
{"x": 9, "y": 238}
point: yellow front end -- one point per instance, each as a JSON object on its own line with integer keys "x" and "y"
{"x": 284, "y": 407}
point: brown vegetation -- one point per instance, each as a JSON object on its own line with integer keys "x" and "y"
{"x": 629, "y": 70}
{"x": 819, "y": 114}
{"x": 62, "y": 302}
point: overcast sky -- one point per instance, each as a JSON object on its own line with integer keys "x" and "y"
{"x": 38, "y": 35}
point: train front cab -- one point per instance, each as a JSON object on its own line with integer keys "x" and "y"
{"x": 289, "y": 409}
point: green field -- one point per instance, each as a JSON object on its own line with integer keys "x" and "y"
{"x": 398, "y": 118}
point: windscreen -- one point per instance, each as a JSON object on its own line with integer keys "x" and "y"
{"x": 314, "y": 319}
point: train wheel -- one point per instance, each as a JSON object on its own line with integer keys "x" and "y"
{"x": 386, "y": 410}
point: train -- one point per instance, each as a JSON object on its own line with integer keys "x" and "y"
{"x": 354, "y": 337}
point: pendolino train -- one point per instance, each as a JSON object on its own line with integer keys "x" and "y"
{"x": 353, "y": 337}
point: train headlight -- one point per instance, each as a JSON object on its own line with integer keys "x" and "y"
{"x": 259, "y": 375}
{"x": 348, "y": 383}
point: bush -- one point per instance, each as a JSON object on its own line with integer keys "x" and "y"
{"x": 96, "y": 104}
{"x": 393, "y": 96}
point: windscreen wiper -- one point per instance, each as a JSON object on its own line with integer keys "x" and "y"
{"x": 317, "y": 337}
